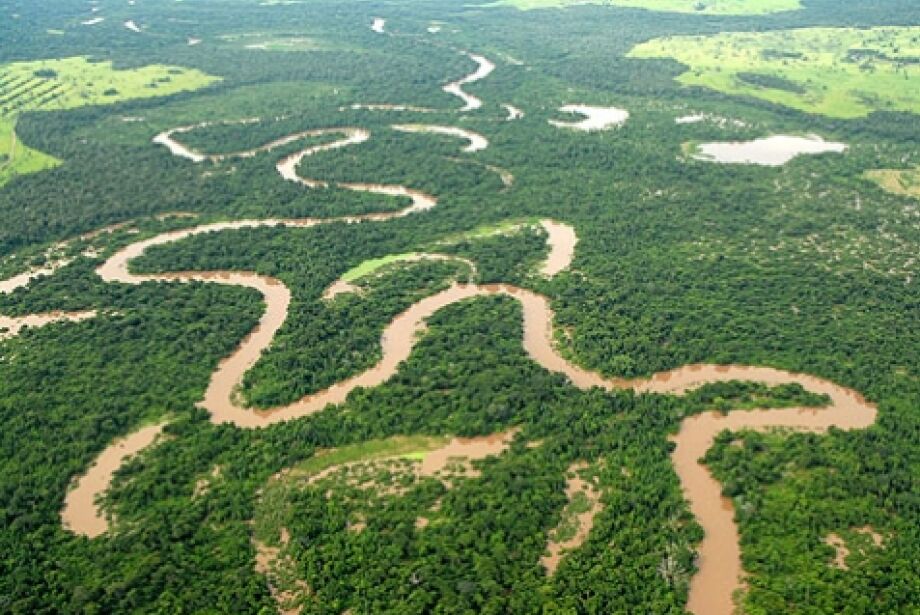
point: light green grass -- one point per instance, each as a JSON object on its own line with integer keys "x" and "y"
{"x": 838, "y": 72}
{"x": 16, "y": 158}
{"x": 702, "y": 7}
{"x": 70, "y": 83}
{"x": 374, "y": 264}
{"x": 273, "y": 507}
{"x": 371, "y": 265}
{"x": 903, "y": 182}
{"x": 491, "y": 230}
{"x": 407, "y": 447}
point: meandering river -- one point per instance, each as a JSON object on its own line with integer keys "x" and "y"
{"x": 720, "y": 566}
{"x": 719, "y": 562}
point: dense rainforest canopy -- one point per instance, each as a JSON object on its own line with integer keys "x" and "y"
{"x": 810, "y": 267}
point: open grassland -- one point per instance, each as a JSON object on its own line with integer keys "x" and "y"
{"x": 16, "y": 158}
{"x": 70, "y": 83}
{"x": 269, "y": 521}
{"x": 704, "y": 7}
{"x": 412, "y": 447}
{"x": 370, "y": 266}
{"x": 838, "y": 72}
{"x": 903, "y": 182}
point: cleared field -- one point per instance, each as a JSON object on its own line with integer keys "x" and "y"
{"x": 370, "y": 266}
{"x": 16, "y": 158}
{"x": 704, "y": 7}
{"x": 70, "y": 83}
{"x": 269, "y": 520}
{"x": 838, "y": 72}
{"x": 903, "y": 182}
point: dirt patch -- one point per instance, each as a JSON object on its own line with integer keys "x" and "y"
{"x": 577, "y": 518}
{"x": 11, "y": 326}
{"x": 842, "y": 550}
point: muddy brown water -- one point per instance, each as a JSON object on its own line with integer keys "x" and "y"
{"x": 23, "y": 279}
{"x": 561, "y": 239}
{"x": 80, "y": 513}
{"x": 341, "y": 287}
{"x": 477, "y": 142}
{"x": 484, "y": 69}
{"x": 54, "y": 261}
{"x": 712, "y": 586}
{"x": 719, "y": 562}
{"x": 352, "y": 136}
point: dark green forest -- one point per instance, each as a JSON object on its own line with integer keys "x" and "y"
{"x": 807, "y": 267}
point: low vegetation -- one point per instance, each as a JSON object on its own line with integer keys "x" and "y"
{"x": 69, "y": 83}
{"x": 903, "y": 182}
{"x": 703, "y": 7}
{"x": 838, "y": 72}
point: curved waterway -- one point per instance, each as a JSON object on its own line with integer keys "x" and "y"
{"x": 397, "y": 340}
{"x": 352, "y": 136}
{"x": 80, "y": 513}
{"x": 719, "y": 562}
{"x": 477, "y": 142}
{"x": 595, "y": 118}
{"x": 345, "y": 285}
{"x": 485, "y": 68}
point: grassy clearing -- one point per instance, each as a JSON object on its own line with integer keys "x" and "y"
{"x": 70, "y": 83}
{"x": 703, "y": 7}
{"x": 16, "y": 158}
{"x": 371, "y": 265}
{"x": 375, "y": 264}
{"x": 273, "y": 507}
{"x": 838, "y": 72}
{"x": 409, "y": 447}
{"x": 491, "y": 230}
{"x": 76, "y": 82}
{"x": 903, "y": 182}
